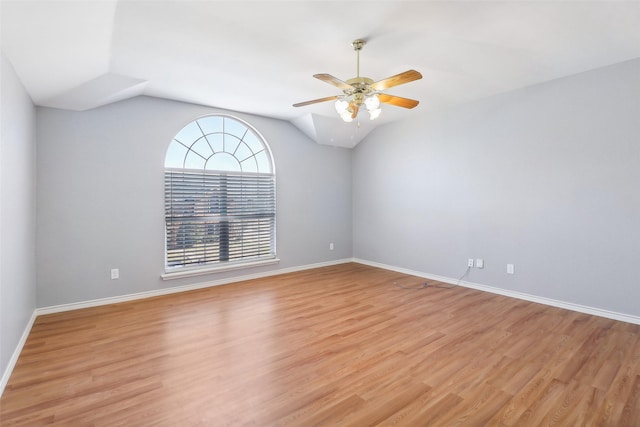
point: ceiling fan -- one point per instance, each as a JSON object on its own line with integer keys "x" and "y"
{"x": 363, "y": 90}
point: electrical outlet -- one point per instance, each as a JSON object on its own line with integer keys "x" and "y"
{"x": 479, "y": 263}
{"x": 330, "y": 246}
{"x": 115, "y": 273}
{"x": 510, "y": 269}
{"x": 470, "y": 263}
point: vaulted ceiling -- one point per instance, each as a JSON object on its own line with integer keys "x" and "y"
{"x": 259, "y": 57}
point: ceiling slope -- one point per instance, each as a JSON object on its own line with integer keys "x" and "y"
{"x": 259, "y": 57}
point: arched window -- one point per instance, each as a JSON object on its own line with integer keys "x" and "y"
{"x": 220, "y": 202}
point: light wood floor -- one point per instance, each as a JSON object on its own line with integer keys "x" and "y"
{"x": 333, "y": 346}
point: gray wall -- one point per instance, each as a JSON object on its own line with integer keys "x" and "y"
{"x": 101, "y": 202}
{"x": 543, "y": 178}
{"x": 546, "y": 178}
{"x": 17, "y": 212}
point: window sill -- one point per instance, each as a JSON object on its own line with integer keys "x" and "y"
{"x": 217, "y": 269}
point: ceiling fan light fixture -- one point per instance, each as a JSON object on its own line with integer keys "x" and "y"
{"x": 373, "y": 114}
{"x": 372, "y": 102}
{"x": 341, "y": 106}
{"x": 347, "y": 116}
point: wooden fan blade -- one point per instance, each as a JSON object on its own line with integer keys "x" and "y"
{"x": 328, "y": 78}
{"x": 353, "y": 107}
{"x": 315, "y": 101}
{"x": 398, "y": 101}
{"x": 398, "y": 79}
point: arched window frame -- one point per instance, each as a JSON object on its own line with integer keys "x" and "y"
{"x": 220, "y": 201}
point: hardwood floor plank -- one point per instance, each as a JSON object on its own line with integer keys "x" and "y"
{"x": 544, "y": 401}
{"x": 337, "y": 346}
{"x": 382, "y": 408}
{"x": 478, "y": 408}
{"x": 324, "y": 412}
{"x": 567, "y": 407}
{"x": 631, "y": 411}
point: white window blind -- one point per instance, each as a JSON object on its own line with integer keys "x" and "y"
{"x": 218, "y": 217}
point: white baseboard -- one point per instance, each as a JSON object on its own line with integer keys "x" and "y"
{"x": 16, "y": 354}
{"x": 176, "y": 289}
{"x": 513, "y": 294}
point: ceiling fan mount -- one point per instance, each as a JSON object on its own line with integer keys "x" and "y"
{"x": 358, "y": 44}
{"x": 363, "y": 90}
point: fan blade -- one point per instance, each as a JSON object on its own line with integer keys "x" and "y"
{"x": 397, "y": 101}
{"x": 328, "y": 78}
{"x": 398, "y": 79}
{"x": 354, "y": 108}
{"x": 328, "y": 98}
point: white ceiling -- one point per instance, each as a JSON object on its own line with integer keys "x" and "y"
{"x": 259, "y": 57}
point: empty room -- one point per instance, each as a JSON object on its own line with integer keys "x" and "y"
{"x": 299, "y": 213}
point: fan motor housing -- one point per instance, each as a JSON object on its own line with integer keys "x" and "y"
{"x": 360, "y": 87}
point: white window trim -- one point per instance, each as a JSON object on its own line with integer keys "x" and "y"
{"x": 181, "y": 271}
{"x": 200, "y": 271}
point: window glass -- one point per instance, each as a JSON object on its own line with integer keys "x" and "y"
{"x": 189, "y": 133}
{"x": 216, "y": 142}
{"x": 234, "y": 127}
{"x": 201, "y": 146}
{"x": 249, "y": 165}
{"x": 231, "y": 143}
{"x": 175, "y": 155}
{"x": 253, "y": 142}
{"x": 194, "y": 161}
{"x": 243, "y": 152}
{"x": 223, "y": 162}
{"x": 211, "y": 124}
{"x": 263, "y": 161}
